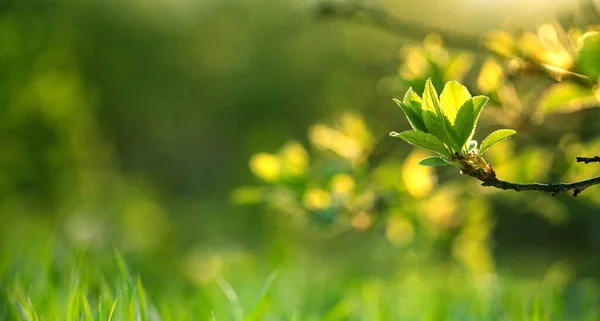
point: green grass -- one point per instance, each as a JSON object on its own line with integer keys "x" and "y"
{"x": 44, "y": 283}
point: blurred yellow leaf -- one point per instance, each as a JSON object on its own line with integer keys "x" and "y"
{"x": 415, "y": 63}
{"x": 266, "y": 166}
{"x": 325, "y": 137}
{"x": 530, "y": 45}
{"x": 362, "y": 221}
{"x": 557, "y": 46}
{"x": 474, "y": 255}
{"x": 294, "y": 159}
{"x": 316, "y": 199}
{"x": 458, "y": 66}
{"x": 354, "y": 127}
{"x": 246, "y": 195}
{"x": 343, "y": 184}
{"x": 500, "y": 42}
{"x": 439, "y": 210}
{"x": 490, "y": 77}
{"x": 418, "y": 180}
{"x": 567, "y": 97}
{"x": 399, "y": 231}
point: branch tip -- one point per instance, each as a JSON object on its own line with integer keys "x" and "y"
{"x": 587, "y": 160}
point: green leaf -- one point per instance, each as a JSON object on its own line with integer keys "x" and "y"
{"x": 495, "y": 138}
{"x": 433, "y": 116}
{"x": 567, "y": 97}
{"x": 589, "y": 56}
{"x": 411, "y": 96}
{"x": 453, "y": 98}
{"x": 412, "y": 110}
{"x": 423, "y": 140}
{"x": 466, "y": 119}
{"x": 434, "y": 161}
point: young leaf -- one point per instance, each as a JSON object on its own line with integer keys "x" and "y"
{"x": 466, "y": 119}
{"x": 433, "y": 116}
{"x": 589, "y": 55}
{"x": 452, "y": 98}
{"x": 411, "y": 96}
{"x": 412, "y": 110}
{"x": 423, "y": 140}
{"x": 434, "y": 161}
{"x": 495, "y": 138}
{"x": 471, "y": 145}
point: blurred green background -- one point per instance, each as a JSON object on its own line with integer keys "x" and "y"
{"x": 237, "y": 138}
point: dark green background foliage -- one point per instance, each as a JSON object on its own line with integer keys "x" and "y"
{"x": 246, "y": 143}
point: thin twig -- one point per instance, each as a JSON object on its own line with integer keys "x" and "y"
{"x": 576, "y": 187}
{"x": 488, "y": 177}
{"x": 588, "y": 159}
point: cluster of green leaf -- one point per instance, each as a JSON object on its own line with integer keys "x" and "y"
{"x": 446, "y": 125}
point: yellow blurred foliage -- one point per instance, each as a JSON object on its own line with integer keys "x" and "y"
{"x": 500, "y": 42}
{"x": 266, "y": 166}
{"x": 471, "y": 246}
{"x": 418, "y": 180}
{"x": 354, "y": 127}
{"x": 474, "y": 255}
{"x": 294, "y": 159}
{"x": 490, "y": 77}
{"x": 362, "y": 221}
{"x": 246, "y": 195}
{"x": 343, "y": 184}
{"x": 325, "y": 137}
{"x": 399, "y": 231}
{"x": 415, "y": 64}
{"x": 316, "y": 199}
{"x": 558, "y": 46}
{"x": 439, "y": 210}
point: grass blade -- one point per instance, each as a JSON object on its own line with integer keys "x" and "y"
{"x": 141, "y": 300}
{"x": 112, "y": 309}
{"x": 86, "y": 308}
{"x": 262, "y": 294}
{"x": 233, "y": 298}
{"x": 32, "y": 311}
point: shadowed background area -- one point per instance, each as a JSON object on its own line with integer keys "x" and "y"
{"x": 233, "y": 138}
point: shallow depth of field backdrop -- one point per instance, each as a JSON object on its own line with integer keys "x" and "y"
{"x": 235, "y": 156}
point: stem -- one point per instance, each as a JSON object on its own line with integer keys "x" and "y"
{"x": 588, "y": 159}
{"x": 576, "y": 187}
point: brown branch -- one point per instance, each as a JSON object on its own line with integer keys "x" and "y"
{"x": 488, "y": 177}
{"x": 576, "y": 187}
{"x": 588, "y": 159}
